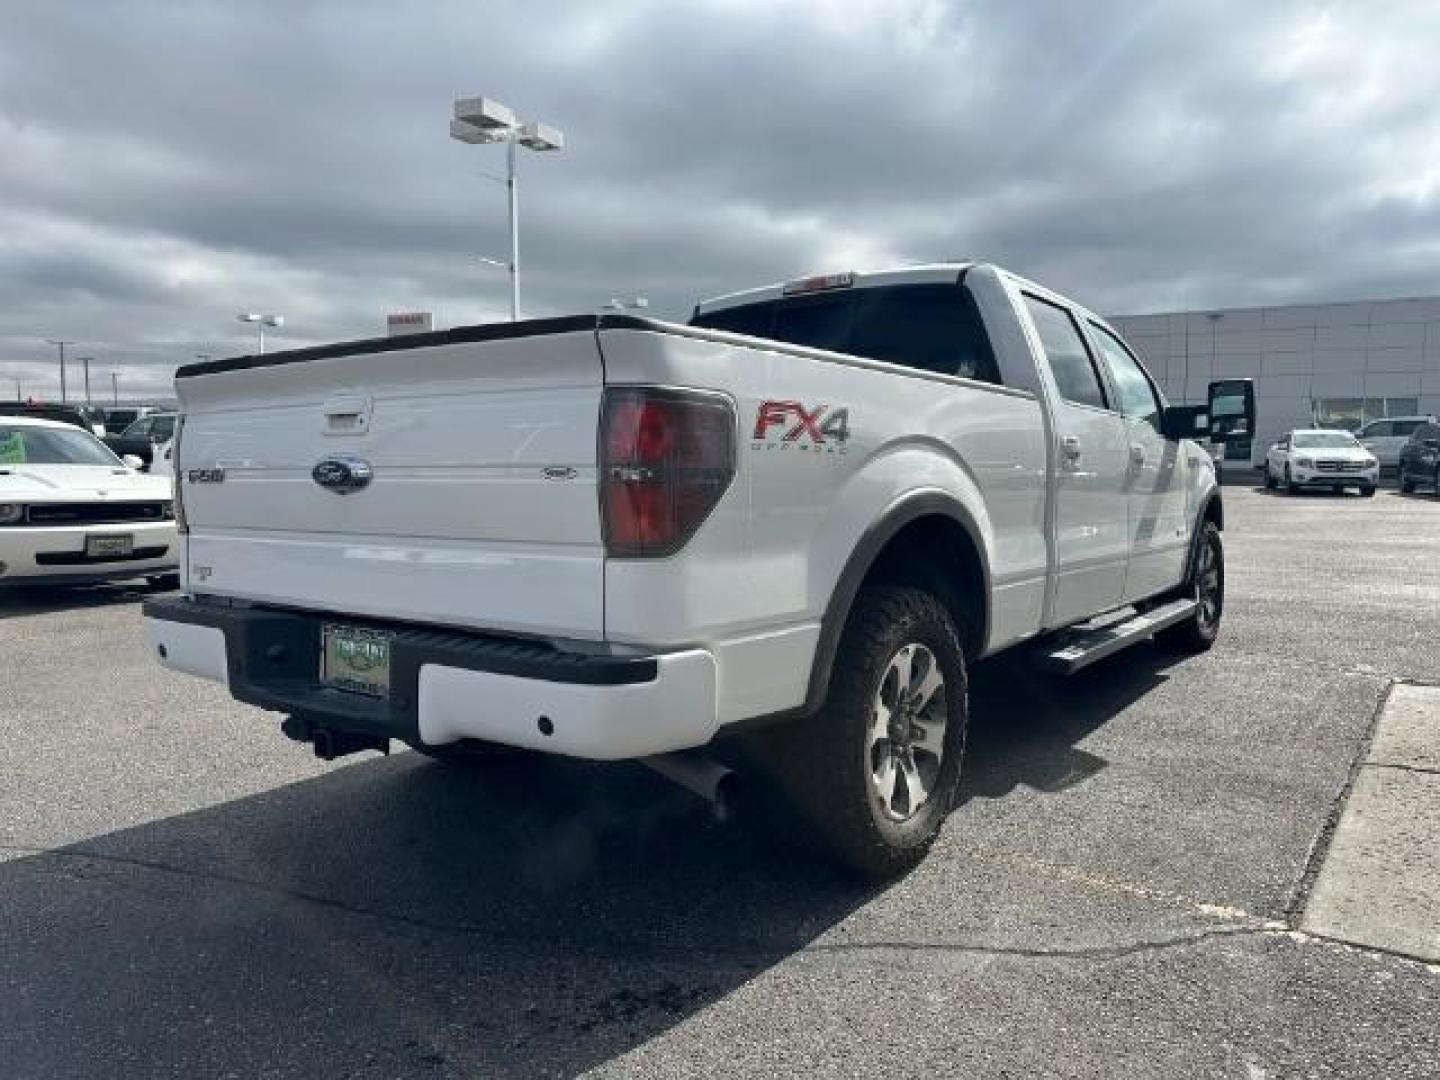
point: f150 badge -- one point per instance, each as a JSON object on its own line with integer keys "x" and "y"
{"x": 793, "y": 425}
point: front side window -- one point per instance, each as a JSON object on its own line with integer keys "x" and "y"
{"x": 1136, "y": 396}
{"x": 52, "y": 446}
{"x": 140, "y": 429}
{"x": 1076, "y": 376}
{"x": 163, "y": 428}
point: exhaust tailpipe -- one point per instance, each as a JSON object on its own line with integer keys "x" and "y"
{"x": 715, "y": 783}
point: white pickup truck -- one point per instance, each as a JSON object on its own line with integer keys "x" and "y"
{"x": 800, "y": 517}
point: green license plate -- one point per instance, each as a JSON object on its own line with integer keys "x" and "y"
{"x": 112, "y": 546}
{"x": 354, "y": 659}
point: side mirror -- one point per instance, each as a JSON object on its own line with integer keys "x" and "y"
{"x": 1232, "y": 410}
{"x": 132, "y": 461}
{"x": 1183, "y": 422}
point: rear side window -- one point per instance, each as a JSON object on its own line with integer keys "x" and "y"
{"x": 927, "y": 327}
{"x": 1425, "y": 431}
{"x": 1076, "y": 376}
{"x": 1406, "y": 427}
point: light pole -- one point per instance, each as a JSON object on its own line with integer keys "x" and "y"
{"x": 61, "y": 344}
{"x": 261, "y": 321}
{"x": 114, "y": 388}
{"x": 85, "y": 366}
{"x": 481, "y": 120}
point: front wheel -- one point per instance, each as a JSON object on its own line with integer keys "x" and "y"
{"x": 877, "y": 769}
{"x": 1207, "y": 587}
{"x": 1290, "y": 485}
{"x": 1269, "y": 479}
{"x": 1407, "y": 486}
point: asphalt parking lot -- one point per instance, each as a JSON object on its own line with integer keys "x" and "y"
{"x": 185, "y": 893}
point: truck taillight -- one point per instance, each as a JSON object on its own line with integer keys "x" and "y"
{"x": 666, "y": 458}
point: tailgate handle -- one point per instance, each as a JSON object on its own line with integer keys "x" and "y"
{"x": 347, "y": 415}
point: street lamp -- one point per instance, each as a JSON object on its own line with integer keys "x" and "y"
{"x": 261, "y": 321}
{"x": 61, "y": 344}
{"x": 480, "y": 120}
{"x": 85, "y": 362}
{"x": 114, "y": 388}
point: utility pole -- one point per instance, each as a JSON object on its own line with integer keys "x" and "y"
{"x": 114, "y": 388}
{"x": 85, "y": 365}
{"x": 61, "y": 344}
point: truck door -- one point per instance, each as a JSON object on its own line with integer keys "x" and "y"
{"x": 1159, "y": 519}
{"x": 1089, "y": 481}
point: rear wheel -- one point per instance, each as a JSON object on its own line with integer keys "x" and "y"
{"x": 1206, "y": 586}
{"x": 877, "y": 769}
{"x": 1368, "y": 490}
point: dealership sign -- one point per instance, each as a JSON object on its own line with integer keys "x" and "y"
{"x": 409, "y": 322}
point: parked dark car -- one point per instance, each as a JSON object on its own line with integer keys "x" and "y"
{"x": 1420, "y": 459}
{"x": 119, "y": 417}
{"x": 82, "y": 416}
{"x": 141, "y": 437}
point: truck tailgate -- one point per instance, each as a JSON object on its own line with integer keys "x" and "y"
{"x": 481, "y": 506}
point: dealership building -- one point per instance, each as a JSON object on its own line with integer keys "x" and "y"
{"x": 1314, "y": 365}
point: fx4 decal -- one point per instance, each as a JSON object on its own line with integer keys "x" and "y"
{"x": 790, "y": 424}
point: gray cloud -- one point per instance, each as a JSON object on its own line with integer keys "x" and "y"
{"x": 164, "y": 165}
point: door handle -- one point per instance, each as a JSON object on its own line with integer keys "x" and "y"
{"x": 1070, "y": 449}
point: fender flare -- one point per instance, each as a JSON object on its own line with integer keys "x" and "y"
{"x": 867, "y": 549}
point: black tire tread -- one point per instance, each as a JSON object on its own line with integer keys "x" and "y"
{"x": 818, "y": 782}
{"x": 1189, "y": 636}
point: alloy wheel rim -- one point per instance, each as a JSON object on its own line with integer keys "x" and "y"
{"x": 1207, "y": 583}
{"x": 906, "y": 741}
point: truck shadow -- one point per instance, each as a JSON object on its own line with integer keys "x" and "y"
{"x": 396, "y": 917}
{"x": 1025, "y": 724}
{"x": 400, "y": 917}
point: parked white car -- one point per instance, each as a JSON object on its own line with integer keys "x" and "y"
{"x": 1321, "y": 458}
{"x": 70, "y": 510}
{"x": 1386, "y": 438}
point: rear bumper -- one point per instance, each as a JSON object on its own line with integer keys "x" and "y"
{"x": 447, "y": 685}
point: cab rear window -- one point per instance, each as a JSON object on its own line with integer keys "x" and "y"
{"x": 927, "y": 327}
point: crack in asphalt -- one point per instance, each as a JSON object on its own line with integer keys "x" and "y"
{"x": 1099, "y": 952}
{"x": 1421, "y": 769}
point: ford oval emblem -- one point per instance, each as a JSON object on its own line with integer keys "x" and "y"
{"x": 342, "y": 473}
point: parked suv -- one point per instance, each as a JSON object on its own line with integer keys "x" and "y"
{"x": 1420, "y": 459}
{"x": 81, "y": 416}
{"x": 1386, "y": 438}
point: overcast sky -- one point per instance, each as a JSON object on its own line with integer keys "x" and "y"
{"x": 166, "y": 165}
